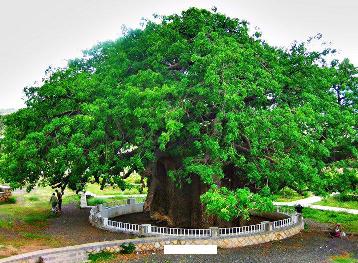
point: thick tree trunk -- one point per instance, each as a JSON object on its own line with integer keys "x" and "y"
{"x": 180, "y": 207}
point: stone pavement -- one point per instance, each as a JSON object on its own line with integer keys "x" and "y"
{"x": 306, "y": 247}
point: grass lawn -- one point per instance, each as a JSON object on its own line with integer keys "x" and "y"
{"x": 22, "y": 223}
{"x": 349, "y": 222}
{"x": 118, "y": 200}
{"x": 344, "y": 258}
{"x": 334, "y": 201}
{"x": 289, "y": 195}
{"x": 109, "y": 190}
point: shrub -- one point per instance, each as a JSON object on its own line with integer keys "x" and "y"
{"x": 102, "y": 256}
{"x": 10, "y": 200}
{"x": 127, "y": 248}
{"x": 288, "y": 192}
{"x": 345, "y": 197}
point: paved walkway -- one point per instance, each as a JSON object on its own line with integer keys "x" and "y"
{"x": 304, "y": 202}
{"x": 309, "y": 202}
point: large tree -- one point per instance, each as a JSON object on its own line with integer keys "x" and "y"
{"x": 216, "y": 119}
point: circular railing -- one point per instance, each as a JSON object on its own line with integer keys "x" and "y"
{"x": 100, "y": 217}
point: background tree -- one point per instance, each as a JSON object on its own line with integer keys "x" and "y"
{"x": 216, "y": 119}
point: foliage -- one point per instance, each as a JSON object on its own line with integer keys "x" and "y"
{"x": 2, "y": 127}
{"x": 247, "y": 118}
{"x": 127, "y": 248}
{"x": 344, "y": 197}
{"x": 10, "y": 200}
{"x": 102, "y": 256}
{"x": 289, "y": 195}
{"x": 349, "y": 222}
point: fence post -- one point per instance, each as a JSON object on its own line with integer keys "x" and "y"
{"x": 214, "y": 231}
{"x": 266, "y": 225}
{"x": 105, "y": 221}
{"x": 130, "y": 201}
{"x": 293, "y": 219}
{"x": 145, "y": 229}
{"x": 100, "y": 208}
{"x": 299, "y": 219}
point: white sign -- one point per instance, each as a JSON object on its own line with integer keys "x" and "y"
{"x": 191, "y": 249}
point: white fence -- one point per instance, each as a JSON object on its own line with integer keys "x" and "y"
{"x": 242, "y": 230}
{"x": 168, "y": 231}
{"x": 100, "y": 215}
{"x": 125, "y": 227}
{"x": 282, "y": 223}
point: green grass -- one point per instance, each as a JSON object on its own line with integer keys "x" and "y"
{"x": 344, "y": 258}
{"x": 33, "y": 198}
{"x": 37, "y": 218}
{"x": 101, "y": 256}
{"x": 6, "y": 223}
{"x": 336, "y": 202}
{"x": 289, "y": 195}
{"x": 110, "y": 190}
{"x": 93, "y": 201}
{"x": 31, "y": 208}
{"x": 112, "y": 201}
{"x": 70, "y": 199}
{"x": 29, "y": 235}
{"x": 349, "y": 222}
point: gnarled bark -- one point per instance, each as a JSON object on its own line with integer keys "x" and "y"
{"x": 180, "y": 207}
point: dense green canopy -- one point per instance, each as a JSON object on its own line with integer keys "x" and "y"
{"x": 200, "y": 88}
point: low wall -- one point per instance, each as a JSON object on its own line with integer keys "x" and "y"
{"x": 79, "y": 253}
{"x": 115, "y": 211}
{"x": 5, "y": 193}
{"x": 99, "y": 214}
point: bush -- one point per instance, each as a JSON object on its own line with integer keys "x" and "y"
{"x": 345, "y": 197}
{"x": 102, "y": 256}
{"x": 11, "y": 200}
{"x": 287, "y": 192}
{"x": 127, "y": 248}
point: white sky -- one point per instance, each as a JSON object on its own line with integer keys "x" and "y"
{"x": 37, "y": 33}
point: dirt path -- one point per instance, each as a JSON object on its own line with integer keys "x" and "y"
{"x": 73, "y": 225}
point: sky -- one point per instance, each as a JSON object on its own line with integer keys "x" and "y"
{"x": 35, "y": 34}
